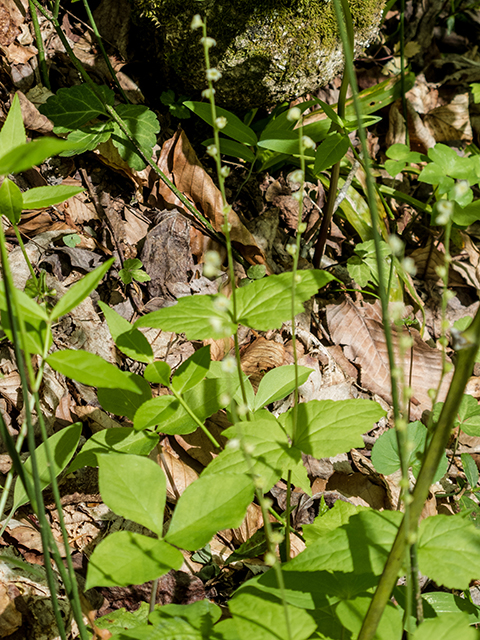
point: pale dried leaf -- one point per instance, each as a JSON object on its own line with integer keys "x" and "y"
{"x": 259, "y": 357}
{"x": 358, "y": 489}
{"x": 450, "y": 122}
{"x": 179, "y": 475}
{"x": 361, "y": 328}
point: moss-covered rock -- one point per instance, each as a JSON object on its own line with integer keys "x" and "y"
{"x": 267, "y": 50}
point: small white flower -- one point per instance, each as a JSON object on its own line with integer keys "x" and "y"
{"x": 216, "y": 323}
{"x": 308, "y": 143}
{"x": 408, "y": 265}
{"x": 298, "y": 195}
{"x": 276, "y": 537}
{"x": 242, "y": 410}
{"x": 444, "y": 209}
{"x": 292, "y": 249}
{"x": 208, "y": 93}
{"x": 228, "y": 365}
{"x": 302, "y": 227}
{"x": 441, "y": 271}
{"x": 221, "y": 122}
{"x": 221, "y": 303}
{"x": 270, "y": 559}
{"x": 225, "y": 171}
{"x": 212, "y": 150}
{"x": 212, "y": 258}
{"x": 296, "y": 176}
{"x": 233, "y": 444}
{"x": 460, "y": 189}
{"x": 397, "y": 309}
{"x": 208, "y": 42}
{"x": 213, "y": 75}
{"x": 197, "y": 22}
{"x": 298, "y": 278}
{"x": 294, "y": 114}
{"x": 250, "y": 448}
{"x": 224, "y": 399}
{"x": 396, "y": 244}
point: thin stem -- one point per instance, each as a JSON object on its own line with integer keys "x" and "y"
{"x": 42, "y": 63}
{"x": 195, "y": 418}
{"x": 402, "y": 70}
{"x": 25, "y": 255}
{"x": 287, "y": 515}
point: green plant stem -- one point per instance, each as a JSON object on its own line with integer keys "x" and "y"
{"x": 287, "y": 515}
{"x": 463, "y": 369}
{"x": 402, "y": 70}
{"x": 9, "y": 479}
{"x": 25, "y": 255}
{"x": 42, "y": 63}
{"x": 102, "y": 49}
{"x": 194, "y": 417}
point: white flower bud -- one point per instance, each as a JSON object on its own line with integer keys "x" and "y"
{"x": 444, "y": 210}
{"x": 292, "y": 249}
{"x": 216, "y": 323}
{"x": 294, "y": 114}
{"x": 208, "y": 42}
{"x": 409, "y": 266}
{"x": 221, "y": 303}
{"x": 233, "y": 444}
{"x": 228, "y": 365}
{"x": 221, "y": 122}
{"x": 197, "y": 22}
{"x": 213, "y": 75}
{"x": 270, "y": 559}
{"x": 224, "y": 399}
{"x": 296, "y": 176}
{"x": 460, "y": 189}
{"x": 208, "y": 93}
{"x": 308, "y": 143}
{"x": 302, "y": 227}
{"x": 225, "y": 171}
{"x": 212, "y": 150}
{"x": 396, "y": 245}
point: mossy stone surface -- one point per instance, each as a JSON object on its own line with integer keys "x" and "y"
{"x": 267, "y": 50}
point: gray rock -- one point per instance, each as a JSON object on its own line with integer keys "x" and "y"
{"x": 267, "y": 50}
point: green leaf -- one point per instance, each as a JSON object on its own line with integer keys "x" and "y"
{"x": 442, "y": 602}
{"x": 465, "y": 216}
{"x": 115, "y": 440}
{"x": 287, "y": 142}
{"x": 470, "y": 469}
{"x": 125, "y": 558}
{"x": 142, "y": 125}
{"x": 89, "y": 137}
{"x": 158, "y": 373}
{"x": 11, "y": 201}
{"x": 31, "y": 154}
{"x": 234, "y": 128}
{"x": 330, "y": 151}
{"x": 92, "y": 370}
{"x": 195, "y": 316}
{"x": 262, "y": 616}
{"x": 71, "y": 240}
{"x": 123, "y": 402}
{"x": 337, "y": 516}
{"x": 232, "y": 148}
{"x": 449, "y": 550}
{"x": 62, "y": 446}
{"x": 278, "y": 383}
{"x": 328, "y": 427}
{"x": 175, "y": 629}
{"x": 201, "y": 615}
{"x": 122, "y": 620}
{"x": 446, "y": 627}
{"x": 129, "y": 340}
{"x": 352, "y": 612}
{"x": 385, "y": 455}
{"x": 402, "y": 152}
{"x": 134, "y": 487}
{"x": 39, "y": 197}
{"x": 266, "y": 304}
{"x": 39, "y": 336}
{"x": 192, "y": 371}
{"x": 12, "y": 133}
{"x": 155, "y": 412}
{"x": 80, "y": 290}
{"x": 363, "y": 266}
{"x": 210, "y": 504}
{"x": 74, "y": 106}
{"x": 475, "y": 87}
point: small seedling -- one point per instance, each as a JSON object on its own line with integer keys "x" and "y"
{"x": 133, "y": 270}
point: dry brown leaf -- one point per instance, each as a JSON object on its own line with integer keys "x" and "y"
{"x": 198, "y": 445}
{"x": 179, "y": 162}
{"x": 358, "y": 489}
{"x": 32, "y": 118}
{"x": 259, "y": 357}
{"x": 450, "y": 122}
{"x": 97, "y": 419}
{"x": 252, "y": 522}
{"x": 10, "y": 21}
{"x": 17, "y": 54}
{"x": 179, "y": 474}
{"x": 361, "y": 329}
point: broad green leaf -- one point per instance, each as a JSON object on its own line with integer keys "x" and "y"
{"x": 446, "y": 627}
{"x": 89, "y": 137}
{"x": 362, "y": 545}
{"x": 278, "y": 383}
{"x": 268, "y": 443}
{"x": 465, "y": 216}
{"x": 201, "y": 614}
{"x": 442, "y": 602}
{"x": 266, "y": 304}
{"x": 74, "y": 106}
{"x": 158, "y": 372}
{"x": 337, "y": 516}
{"x": 192, "y": 371}
{"x": 470, "y": 468}
{"x": 234, "y": 128}
{"x": 196, "y": 316}
{"x": 80, "y": 290}
{"x": 39, "y": 197}
{"x": 92, "y": 370}
{"x": 39, "y": 337}
{"x": 331, "y": 151}
{"x": 155, "y": 413}
{"x": 468, "y": 416}
{"x": 122, "y": 620}
{"x": 232, "y": 148}
{"x": 352, "y": 612}
{"x": 62, "y": 446}
{"x": 261, "y": 616}
{"x": 210, "y": 504}
{"x": 362, "y": 267}
{"x": 385, "y": 455}
{"x": 449, "y": 550}
{"x": 402, "y": 152}
{"x": 175, "y": 629}
{"x": 123, "y": 402}
{"x": 11, "y": 201}
{"x": 31, "y": 154}
{"x": 328, "y": 427}
{"x": 125, "y": 558}
{"x": 12, "y": 133}
{"x": 284, "y": 142}
{"x": 134, "y": 487}
{"x": 205, "y": 399}
{"x": 116, "y": 440}
{"x": 129, "y": 340}
{"x": 142, "y": 125}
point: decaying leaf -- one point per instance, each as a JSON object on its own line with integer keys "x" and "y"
{"x": 259, "y": 357}
{"x": 361, "y": 329}
{"x": 452, "y": 121}
{"x": 179, "y": 162}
